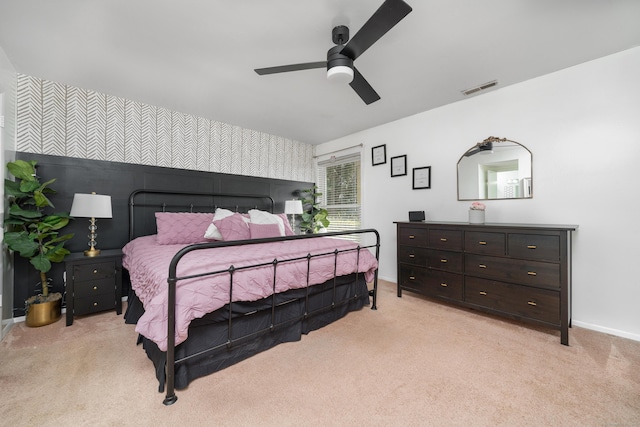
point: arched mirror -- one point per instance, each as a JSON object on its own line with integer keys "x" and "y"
{"x": 496, "y": 168}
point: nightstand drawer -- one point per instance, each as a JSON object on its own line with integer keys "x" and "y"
{"x": 94, "y": 271}
{"x": 94, "y": 304}
{"x": 92, "y": 288}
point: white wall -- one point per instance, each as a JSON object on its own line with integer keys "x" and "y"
{"x": 7, "y": 153}
{"x": 582, "y": 125}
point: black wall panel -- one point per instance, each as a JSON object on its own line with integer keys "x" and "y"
{"x": 118, "y": 180}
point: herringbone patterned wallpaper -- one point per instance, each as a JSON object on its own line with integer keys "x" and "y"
{"x": 62, "y": 120}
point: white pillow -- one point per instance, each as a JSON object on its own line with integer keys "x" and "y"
{"x": 262, "y": 217}
{"x": 213, "y": 232}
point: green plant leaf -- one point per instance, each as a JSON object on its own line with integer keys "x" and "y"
{"x": 57, "y": 254}
{"x": 41, "y": 263}
{"x": 21, "y": 242}
{"x": 22, "y": 170}
{"x": 16, "y": 210}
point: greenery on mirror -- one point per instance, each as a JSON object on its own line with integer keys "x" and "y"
{"x": 314, "y": 218}
{"x": 30, "y": 230}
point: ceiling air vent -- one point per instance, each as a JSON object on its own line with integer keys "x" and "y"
{"x": 479, "y": 88}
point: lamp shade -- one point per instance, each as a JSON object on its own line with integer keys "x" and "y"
{"x": 292, "y": 207}
{"x": 91, "y": 206}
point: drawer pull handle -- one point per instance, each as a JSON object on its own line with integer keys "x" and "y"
{"x": 95, "y": 288}
{"x": 483, "y": 293}
{"x": 532, "y": 303}
{"x": 412, "y": 256}
{"x": 412, "y": 277}
{"x": 482, "y": 266}
{"x": 95, "y": 271}
{"x": 444, "y": 260}
{"x": 95, "y": 304}
{"x": 482, "y": 242}
{"x": 444, "y": 285}
{"x": 531, "y": 273}
{"x": 443, "y": 239}
{"x": 532, "y": 247}
{"x": 412, "y": 236}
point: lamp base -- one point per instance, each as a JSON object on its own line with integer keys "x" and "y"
{"x": 92, "y": 252}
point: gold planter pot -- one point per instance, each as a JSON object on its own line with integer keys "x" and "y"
{"x": 44, "y": 313}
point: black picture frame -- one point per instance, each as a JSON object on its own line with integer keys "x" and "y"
{"x": 422, "y": 177}
{"x": 399, "y": 165}
{"x": 379, "y": 155}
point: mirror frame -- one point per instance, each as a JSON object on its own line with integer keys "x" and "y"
{"x": 487, "y": 144}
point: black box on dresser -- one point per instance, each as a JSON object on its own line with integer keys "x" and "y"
{"x": 519, "y": 271}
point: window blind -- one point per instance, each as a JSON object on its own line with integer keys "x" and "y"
{"x": 339, "y": 182}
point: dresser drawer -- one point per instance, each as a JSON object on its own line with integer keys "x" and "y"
{"x": 94, "y": 303}
{"x": 444, "y": 284}
{"x": 92, "y": 288}
{"x": 413, "y": 278}
{"x": 485, "y": 243}
{"x": 450, "y": 240}
{"x": 537, "y": 273}
{"x": 534, "y": 246}
{"x": 94, "y": 271}
{"x": 412, "y": 255}
{"x": 533, "y": 303}
{"x": 444, "y": 260}
{"x": 413, "y": 236}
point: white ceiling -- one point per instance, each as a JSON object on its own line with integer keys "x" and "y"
{"x": 198, "y": 56}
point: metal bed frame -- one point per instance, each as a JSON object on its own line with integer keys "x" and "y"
{"x": 173, "y": 279}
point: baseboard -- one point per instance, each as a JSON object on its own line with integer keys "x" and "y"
{"x": 6, "y": 327}
{"x": 62, "y": 311}
{"x": 610, "y": 331}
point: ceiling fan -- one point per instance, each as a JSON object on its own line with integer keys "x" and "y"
{"x": 340, "y": 58}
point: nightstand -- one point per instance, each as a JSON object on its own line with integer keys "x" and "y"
{"x": 93, "y": 283}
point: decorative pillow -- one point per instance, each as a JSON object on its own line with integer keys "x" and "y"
{"x": 262, "y": 231}
{"x": 212, "y": 232}
{"x": 233, "y": 227}
{"x": 288, "y": 231}
{"x": 181, "y": 227}
{"x": 263, "y": 217}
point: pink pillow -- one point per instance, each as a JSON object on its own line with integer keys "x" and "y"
{"x": 262, "y": 231}
{"x": 233, "y": 227}
{"x": 182, "y": 227}
{"x": 287, "y": 226}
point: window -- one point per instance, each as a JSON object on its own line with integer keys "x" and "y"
{"x": 339, "y": 183}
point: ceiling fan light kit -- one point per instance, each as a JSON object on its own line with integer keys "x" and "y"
{"x": 339, "y": 63}
{"x": 340, "y": 74}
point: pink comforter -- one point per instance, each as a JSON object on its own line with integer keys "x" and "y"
{"x": 148, "y": 266}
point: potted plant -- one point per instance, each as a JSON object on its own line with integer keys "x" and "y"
{"x": 34, "y": 234}
{"x": 315, "y": 218}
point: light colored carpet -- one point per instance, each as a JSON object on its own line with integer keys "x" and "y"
{"x": 413, "y": 362}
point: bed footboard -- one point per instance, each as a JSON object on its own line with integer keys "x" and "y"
{"x": 275, "y": 323}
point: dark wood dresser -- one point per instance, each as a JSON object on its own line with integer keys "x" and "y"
{"x": 519, "y": 271}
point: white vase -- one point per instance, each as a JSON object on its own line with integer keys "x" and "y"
{"x": 476, "y": 216}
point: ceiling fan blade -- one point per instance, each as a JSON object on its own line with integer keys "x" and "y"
{"x": 363, "y": 88}
{"x": 292, "y": 67}
{"x": 386, "y": 17}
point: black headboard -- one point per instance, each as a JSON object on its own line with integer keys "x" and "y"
{"x": 119, "y": 180}
{"x": 143, "y": 204}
